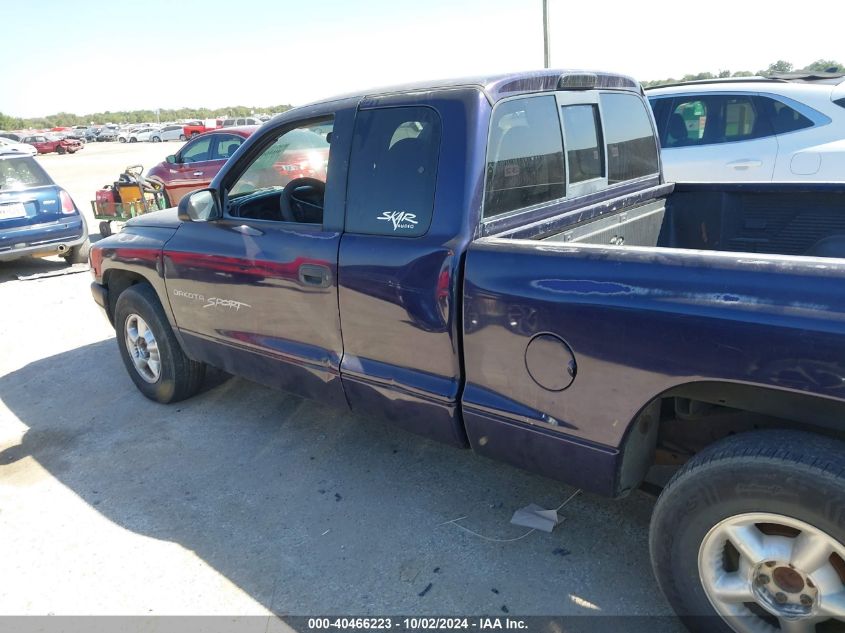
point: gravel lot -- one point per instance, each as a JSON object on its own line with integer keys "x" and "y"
{"x": 248, "y": 501}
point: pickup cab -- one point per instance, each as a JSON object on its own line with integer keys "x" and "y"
{"x": 497, "y": 263}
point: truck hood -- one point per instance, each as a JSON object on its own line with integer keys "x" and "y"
{"x": 166, "y": 219}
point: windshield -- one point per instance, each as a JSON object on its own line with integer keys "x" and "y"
{"x": 21, "y": 173}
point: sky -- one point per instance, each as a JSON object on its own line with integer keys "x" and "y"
{"x": 94, "y": 55}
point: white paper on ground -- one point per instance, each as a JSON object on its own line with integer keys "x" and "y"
{"x": 533, "y": 516}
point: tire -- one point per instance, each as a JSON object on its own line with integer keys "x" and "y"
{"x": 132, "y": 139}
{"x": 156, "y": 139}
{"x": 79, "y": 253}
{"x": 182, "y": 137}
{"x": 776, "y": 496}
{"x": 193, "y": 134}
{"x": 60, "y": 150}
{"x": 105, "y": 228}
{"x": 174, "y": 376}
{"x": 121, "y": 139}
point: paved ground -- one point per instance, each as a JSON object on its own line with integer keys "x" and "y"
{"x": 247, "y": 501}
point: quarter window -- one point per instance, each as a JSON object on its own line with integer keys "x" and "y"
{"x": 583, "y": 142}
{"x": 393, "y": 171}
{"x": 524, "y": 156}
{"x": 631, "y": 147}
{"x": 784, "y": 118}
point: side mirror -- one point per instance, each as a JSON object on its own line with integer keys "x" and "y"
{"x": 171, "y": 159}
{"x": 199, "y": 206}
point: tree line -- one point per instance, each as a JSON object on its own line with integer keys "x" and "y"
{"x": 67, "y": 119}
{"x": 780, "y": 66}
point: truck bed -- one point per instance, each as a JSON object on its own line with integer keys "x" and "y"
{"x": 660, "y": 297}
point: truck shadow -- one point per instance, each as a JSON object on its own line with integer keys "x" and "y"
{"x": 310, "y": 510}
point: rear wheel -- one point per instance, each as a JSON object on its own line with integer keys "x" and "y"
{"x": 156, "y": 139}
{"x": 750, "y": 535}
{"x": 182, "y": 137}
{"x": 152, "y": 355}
{"x": 60, "y": 149}
{"x": 105, "y": 229}
{"x": 132, "y": 139}
{"x": 122, "y": 139}
{"x": 193, "y": 134}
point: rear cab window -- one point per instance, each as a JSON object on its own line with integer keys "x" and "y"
{"x": 393, "y": 171}
{"x": 550, "y": 147}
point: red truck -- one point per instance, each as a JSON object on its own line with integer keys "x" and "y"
{"x": 193, "y": 128}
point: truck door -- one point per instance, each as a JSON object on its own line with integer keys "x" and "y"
{"x": 398, "y": 282}
{"x": 255, "y": 292}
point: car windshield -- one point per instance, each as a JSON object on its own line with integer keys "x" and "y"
{"x": 21, "y": 173}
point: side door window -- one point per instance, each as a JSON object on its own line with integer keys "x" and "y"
{"x": 393, "y": 171}
{"x": 197, "y": 151}
{"x": 226, "y": 145}
{"x": 718, "y": 137}
{"x": 287, "y": 181}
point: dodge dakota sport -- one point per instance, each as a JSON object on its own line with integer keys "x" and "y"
{"x": 498, "y": 263}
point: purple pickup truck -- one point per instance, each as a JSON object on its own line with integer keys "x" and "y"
{"x": 498, "y": 263}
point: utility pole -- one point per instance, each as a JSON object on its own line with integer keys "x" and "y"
{"x": 545, "y": 33}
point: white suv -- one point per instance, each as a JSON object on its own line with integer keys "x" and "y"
{"x": 752, "y": 129}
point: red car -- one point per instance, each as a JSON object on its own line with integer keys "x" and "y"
{"x": 46, "y": 143}
{"x": 197, "y": 163}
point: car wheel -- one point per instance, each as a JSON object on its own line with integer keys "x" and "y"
{"x": 193, "y": 134}
{"x": 132, "y": 139}
{"x": 60, "y": 150}
{"x": 105, "y": 228}
{"x": 182, "y": 137}
{"x": 152, "y": 355}
{"x": 156, "y": 139}
{"x": 121, "y": 139}
{"x": 749, "y": 536}
{"x": 79, "y": 253}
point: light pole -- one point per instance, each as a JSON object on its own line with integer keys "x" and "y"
{"x": 546, "y": 33}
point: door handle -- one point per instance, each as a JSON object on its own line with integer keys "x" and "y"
{"x": 745, "y": 163}
{"x": 315, "y": 275}
{"x": 197, "y": 173}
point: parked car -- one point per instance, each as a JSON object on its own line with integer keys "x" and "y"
{"x": 498, "y": 264}
{"x": 47, "y": 143}
{"x": 197, "y": 163}
{"x": 169, "y": 133}
{"x": 249, "y": 120}
{"x": 12, "y": 136}
{"x": 752, "y": 129}
{"x": 195, "y": 128}
{"x": 8, "y": 146}
{"x": 107, "y": 134}
{"x": 37, "y": 217}
{"x": 137, "y": 134}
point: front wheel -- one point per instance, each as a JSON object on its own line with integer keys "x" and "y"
{"x": 121, "y": 139}
{"x": 750, "y": 535}
{"x": 182, "y": 137}
{"x": 60, "y": 150}
{"x": 156, "y": 139}
{"x": 152, "y": 355}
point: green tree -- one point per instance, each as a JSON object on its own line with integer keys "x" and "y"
{"x": 825, "y": 65}
{"x": 779, "y": 66}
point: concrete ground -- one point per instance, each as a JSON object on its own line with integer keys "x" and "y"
{"x": 247, "y": 501}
